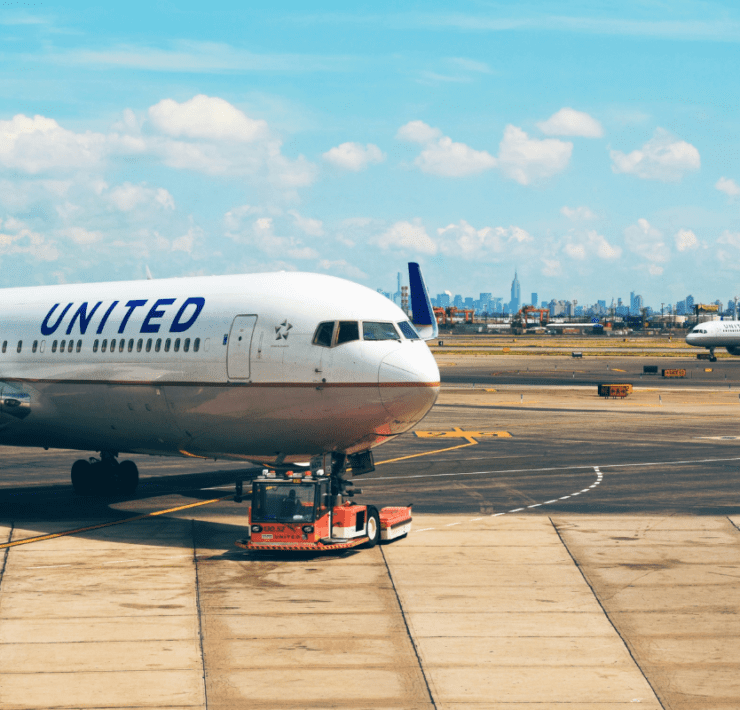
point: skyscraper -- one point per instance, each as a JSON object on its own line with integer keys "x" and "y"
{"x": 516, "y": 295}
{"x": 535, "y": 298}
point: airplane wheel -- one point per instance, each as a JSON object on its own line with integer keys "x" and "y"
{"x": 128, "y": 477}
{"x": 373, "y": 527}
{"x": 713, "y": 359}
{"x": 82, "y": 477}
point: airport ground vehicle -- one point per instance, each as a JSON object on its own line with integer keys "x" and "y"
{"x": 307, "y": 511}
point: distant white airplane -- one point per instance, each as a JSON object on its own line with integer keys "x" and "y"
{"x": 274, "y": 368}
{"x": 716, "y": 334}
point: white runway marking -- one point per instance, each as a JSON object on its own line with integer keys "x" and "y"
{"x": 599, "y": 479}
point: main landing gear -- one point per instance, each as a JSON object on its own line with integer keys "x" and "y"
{"x": 712, "y": 356}
{"x": 104, "y": 476}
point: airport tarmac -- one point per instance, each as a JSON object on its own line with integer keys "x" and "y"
{"x": 568, "y": 551}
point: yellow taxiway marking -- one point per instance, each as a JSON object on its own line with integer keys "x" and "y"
{"x": 51, "y": 536}
{"x": 458, "y": 433}
{"x": 428, "y": 453}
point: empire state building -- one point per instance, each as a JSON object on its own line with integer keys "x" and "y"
{"x": 516, "y": 295}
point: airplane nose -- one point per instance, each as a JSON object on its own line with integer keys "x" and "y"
{"x": 408, "y": 379}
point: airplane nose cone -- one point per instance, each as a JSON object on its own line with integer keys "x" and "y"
{"x": 408, "y": 379}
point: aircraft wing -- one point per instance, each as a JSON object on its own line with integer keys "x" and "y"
{"x": 421, "y": 305}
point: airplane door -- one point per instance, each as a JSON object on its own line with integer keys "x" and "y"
{"x": 240, "y": 341}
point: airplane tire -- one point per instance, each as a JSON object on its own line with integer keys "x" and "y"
{"x": 713, "y": 359}
{"x": 82, "y": 477}
{"x": 373, "y": 527}
{"x": 128, "y": 477}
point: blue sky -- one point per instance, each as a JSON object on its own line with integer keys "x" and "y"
{"x": 595, "y": 150}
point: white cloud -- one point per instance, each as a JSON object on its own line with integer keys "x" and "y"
{"x": 577, "y": 214}
{"x": 686, "y": 240}
{"x": 207, "y": 117}
{"x": 654, "y": 270}
{"x": 663, "y": 157}
{"x": 646, "y": 241}
{"x": 82, "y": 236}
{"x": 418, "y": 132}
{"x": 128, "y": 197}
{"x": 464, "y": 240}
{"x": 17, "y": 239}
{"x": 407, "y": 236}
{"x": 354, "y": 156}
{"x": 527, "y": 159}
{"x": 269, "y": 234}
{"x": 569, "y": 122}
{"x": 313, "y": 227}
{"x": 590, "y": 245}
{"x": 551, "y": 267}
{"x": 728, "y": 186}
{"x": 38, "y": 144}
{"x": 728, "y": 253}
{"x": 341, "y": 268}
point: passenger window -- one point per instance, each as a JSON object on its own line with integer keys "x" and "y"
{"x": 5, "y": 345}
{"x": 95, "y": 346}
{"x": 35, "y": 346}
{"x": 54, "y": 346}
{"x": 379, "y": 331}
{"x": 186, "y": 345}
{"x": 167, "y": 345}
{"x": 196, "y": 345}
{"x": 42, "y": 346}
{"x": 20, "y": 345}
{"x": 207, "y": 345}
{"x": 408, "y": 330}
{"x": 79, "y": 345}
{"x": 130, "y": 345}
{"x": 158, "y": 345}
{"x": 177, "y": 344}
{"x": 139, "y": 345}
{"x": 149, "y": 345}
{"x": 122, "y": 344}
{"x": 62, "y": 346}
{"x": 324, "y": 334}
{"x": 70, "y": 346}
{"x": 112, "y": 345}
{"x": 348, "y": 330}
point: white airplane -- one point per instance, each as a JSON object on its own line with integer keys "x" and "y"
{"x": 273, "y": 368}
{"x": 716, "y": 334}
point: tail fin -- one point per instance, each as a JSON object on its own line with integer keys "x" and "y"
{"x": 421, "y": 306}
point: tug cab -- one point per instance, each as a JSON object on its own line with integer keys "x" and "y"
{"x": 306, "y": 511}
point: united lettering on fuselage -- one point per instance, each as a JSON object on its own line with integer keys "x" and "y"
{"x": 117, "y": 315}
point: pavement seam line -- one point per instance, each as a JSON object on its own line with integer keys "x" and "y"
{"x": 606, "y": 614}
{"x": 408, "y": 629}
{"x": 7, "y": 553}
{"x": 199, "y": 611}
{"x": 732, "y": 522}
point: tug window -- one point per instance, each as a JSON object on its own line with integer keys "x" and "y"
{"x": 158, "y": 345}
{"x": 167, "y": 345}
{"x": 379, "y": 331}
{"x": 177, "y": 344}
{"x": 149, "y": 345}
{"x": 95, "y": 346}
{"x": 186, "y": 345}
{"x": 348, "y": 331}
{"x": 196, "y": 345}
{"x": 54, "y": 346}
{"x": 324, "y": 334}
{"x": 35, "y": 346}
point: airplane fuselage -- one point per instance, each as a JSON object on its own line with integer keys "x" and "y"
{"x": 223, "y": 367}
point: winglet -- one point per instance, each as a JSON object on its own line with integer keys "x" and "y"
{"x": 421, "y": 306}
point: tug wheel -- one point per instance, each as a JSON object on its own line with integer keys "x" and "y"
{"x": 373, "y": 527}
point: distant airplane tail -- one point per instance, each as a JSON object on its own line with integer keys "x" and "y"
{"x": 421, "y": 305}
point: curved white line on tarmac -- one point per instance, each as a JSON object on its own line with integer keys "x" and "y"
{"x": 597, "y": 482}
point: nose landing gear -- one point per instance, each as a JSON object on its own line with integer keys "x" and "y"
{"x": 104, "y": 476}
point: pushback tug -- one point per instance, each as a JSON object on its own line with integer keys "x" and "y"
{"x": 306, "y": 511}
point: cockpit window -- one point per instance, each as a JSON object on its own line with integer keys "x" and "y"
{"x": 408, "y": 330}
{"x": 324, "y": 334}
{"x": 379, "y": 331}
{"x": 348, "y": 330}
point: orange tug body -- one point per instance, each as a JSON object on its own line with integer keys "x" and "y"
{"x": 294, "y": 513}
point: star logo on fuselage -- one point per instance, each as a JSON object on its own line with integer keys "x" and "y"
{"x": 283, "y": 330}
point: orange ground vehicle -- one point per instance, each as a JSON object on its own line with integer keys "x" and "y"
{"x": 300, "y": 511}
